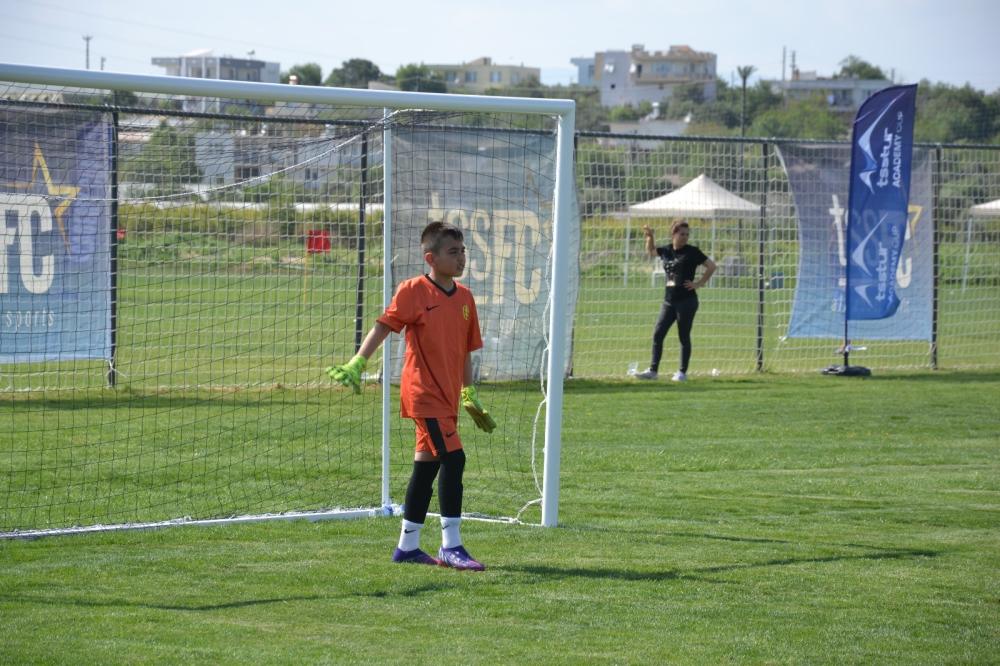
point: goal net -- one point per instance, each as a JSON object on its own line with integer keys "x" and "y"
{"x": 180, "y": 260}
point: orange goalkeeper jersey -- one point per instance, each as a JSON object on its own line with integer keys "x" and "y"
{"x": 442, "y": 327}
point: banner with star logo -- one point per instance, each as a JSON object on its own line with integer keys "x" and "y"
{"x": 55, "y": 235}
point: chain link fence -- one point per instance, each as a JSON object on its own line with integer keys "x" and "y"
{"x": 749, "y": 225}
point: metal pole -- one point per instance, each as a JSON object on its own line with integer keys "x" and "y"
{"x": 935, "y": 262}
{"x": 572, "y": 330}
{"x": 628, "y": 213}
{"x": 557, "y": 319}
{"x": 113, "y": 324}
{"x": 386, "y": 298}
{"x": 359, "y": 312}
{"x": 761, "y": 246}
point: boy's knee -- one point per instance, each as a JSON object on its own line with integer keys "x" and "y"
{"x": 453, "y": 461}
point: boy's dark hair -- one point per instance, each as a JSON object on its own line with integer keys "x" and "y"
{"x": 678, "y": 225}
{"x": 435, "y": 232}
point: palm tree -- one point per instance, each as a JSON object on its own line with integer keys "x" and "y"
{"x": 745, "y": 71}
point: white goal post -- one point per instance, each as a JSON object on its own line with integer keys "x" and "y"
{"x": 561, "y": 111}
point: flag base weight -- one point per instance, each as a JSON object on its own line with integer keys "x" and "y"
{"x": 847, "y": 371}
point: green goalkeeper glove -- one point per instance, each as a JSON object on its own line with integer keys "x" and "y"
{"x": 349, "y": 374}
{"x": 470, "y": 400}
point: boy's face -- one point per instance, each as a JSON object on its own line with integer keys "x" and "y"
{"x": 449, "y": 260}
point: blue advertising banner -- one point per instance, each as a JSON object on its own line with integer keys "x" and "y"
{"x": 881, "y": 153}
{"x": 818, "y": 175}
{"x": 55, "y": 235}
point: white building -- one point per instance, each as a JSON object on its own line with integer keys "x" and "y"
{"x": 227, "y": 157}
{"x": 584, "y": 71}
{"x": 203, "y": 64}
{"x": 844, "y": 95}
{"x": 636, "y": 76}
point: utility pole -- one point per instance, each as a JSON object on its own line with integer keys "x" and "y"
{"x": 745, "y": 71}
{"x": 87, "y": 39}
{"x": 102, "y": 62}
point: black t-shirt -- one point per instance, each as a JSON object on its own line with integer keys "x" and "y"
{"x": 680, "y": 266}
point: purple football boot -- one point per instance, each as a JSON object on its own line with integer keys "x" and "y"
{"x": 459, "y": 558}
{"x": 415, "y": 556}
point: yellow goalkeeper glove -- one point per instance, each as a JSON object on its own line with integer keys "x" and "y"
{"x": 470, "y": 400}
{"x": 349, "y": 374}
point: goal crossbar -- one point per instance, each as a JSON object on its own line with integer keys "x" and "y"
{"x": 179, "y": 85}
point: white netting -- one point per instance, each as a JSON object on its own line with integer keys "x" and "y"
{"x": 203, "y": 269}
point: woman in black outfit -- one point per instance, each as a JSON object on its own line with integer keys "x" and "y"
{"x": 680, "y": 301}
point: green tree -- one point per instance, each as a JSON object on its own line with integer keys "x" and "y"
{"x": 354, "y": 73}
{"x": 950, "y": 114}
{"x": 628, "y": 112}
{"x": 419, "y": 78}
{"x": 168, "y": 159}
{"x": 724, "y": 111}
{"x": 124, "y": 98}
{"x": 744, "y": 72}
{"x": 529, "y": 87}
{"x": 802, "y": 119}
{"x": 310, "y": 74}
{"x": 853, "y": 67}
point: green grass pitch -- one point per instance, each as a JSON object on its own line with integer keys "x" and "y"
{"x": 764, "y": 519}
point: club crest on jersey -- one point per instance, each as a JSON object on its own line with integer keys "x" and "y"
{"x": 465, "y": 312}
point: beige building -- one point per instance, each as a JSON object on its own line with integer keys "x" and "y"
{"x": 482, "y": 73}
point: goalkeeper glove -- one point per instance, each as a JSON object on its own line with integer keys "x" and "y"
{"x": 349, "y": 374}
{"x": 470, "y": 400}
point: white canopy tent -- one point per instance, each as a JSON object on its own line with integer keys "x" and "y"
{"x": 990, "y": 209}
{"x": 701, "y": 198}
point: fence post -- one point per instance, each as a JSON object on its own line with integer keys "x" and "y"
{"x": 935, "y": 262}
{"x": 761, "y": 246}
{"x": 112, "y": 373}
{"x": 359, "y": 312}
{"x": 572, "y": 324}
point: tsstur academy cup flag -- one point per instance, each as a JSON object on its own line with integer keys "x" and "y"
{"x": 55, "y": 239}
{"x": 889, "y": 247}
{"x": 881, "y": 154}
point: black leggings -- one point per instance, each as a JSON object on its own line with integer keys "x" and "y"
{"x": 683, "y": 313}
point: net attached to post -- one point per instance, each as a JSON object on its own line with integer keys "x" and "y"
{"x": 180, "y": 270}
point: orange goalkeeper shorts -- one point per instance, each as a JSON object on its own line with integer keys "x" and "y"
{"x": 437, "y": 435}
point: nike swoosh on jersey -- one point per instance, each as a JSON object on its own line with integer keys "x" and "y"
{"x": 450, "y": 434}
{"x": 431, "y": 307}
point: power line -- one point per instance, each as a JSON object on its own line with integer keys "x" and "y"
{"x": 61, "y": 47}
{"x": 111, "y": 37}
{"x": 189, "y": 33}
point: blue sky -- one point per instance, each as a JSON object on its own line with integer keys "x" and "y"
{"x": 954, "y": 42}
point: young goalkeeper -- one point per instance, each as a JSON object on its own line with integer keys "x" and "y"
{"x": 442, "y": 328}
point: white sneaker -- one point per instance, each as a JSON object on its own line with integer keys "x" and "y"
{"x": 679, "y": 377}
{"x": 646, "y": 374}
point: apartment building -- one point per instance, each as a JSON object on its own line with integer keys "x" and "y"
{"x": 637, "y": 75}
{"x": 842, "y": 94}
{"x": 482, "y": 74}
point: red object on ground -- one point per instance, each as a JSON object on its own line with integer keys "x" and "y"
{"x": 317, "y": 241}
